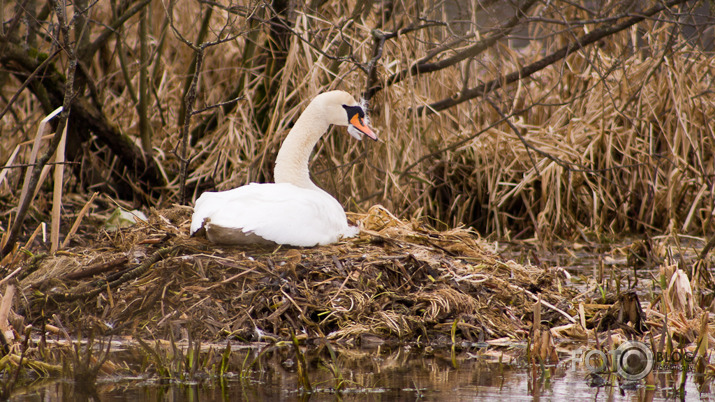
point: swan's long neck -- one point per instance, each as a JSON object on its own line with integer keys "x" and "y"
{"x": 292, "y": 160}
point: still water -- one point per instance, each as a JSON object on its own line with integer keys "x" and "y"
{"x": 488, "y": 371}
{"x": 404, "y": 375}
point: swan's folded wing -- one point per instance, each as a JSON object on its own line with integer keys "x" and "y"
{"x": 281, "y": 213}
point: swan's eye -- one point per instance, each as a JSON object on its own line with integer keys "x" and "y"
{"x": 354, "y": 110}
{"x": 356, "y": 122}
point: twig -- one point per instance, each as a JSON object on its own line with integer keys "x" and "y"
{"x": 585, "y": 40}
{"x": 516, "y": 131}
{"x": 145, "y": 132}
{"x": 380, "y": 39}
{"x": 194, "y": 69}
{"x": 192, "y": 89}
{"x": 78, "y": 220}
{"x": 457, "y": 144}
{"x": 571, "y": 166}
{"x": 11, "y": 275}
{"x": 422, "y": 66}
{"x": 97, "y": 268}
{"x": 110, "y": 30}
{"x": 64, "y": 115}
{"x": 26, "y": 165}
{"x": 189, "y": 100}
{"x": 221, "y": 104}
{"x": 231, "y": 279}
{"x": 126, "y": 277}
{"x": 537, "y": 299}
{"x": 29, "y": 81}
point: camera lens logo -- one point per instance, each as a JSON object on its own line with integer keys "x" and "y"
{"x": 633, "y": 360}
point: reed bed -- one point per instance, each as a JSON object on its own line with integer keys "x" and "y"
{"x": 613, "y": 139}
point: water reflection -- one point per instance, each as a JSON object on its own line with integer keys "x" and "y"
{"x": 370, "y": 375}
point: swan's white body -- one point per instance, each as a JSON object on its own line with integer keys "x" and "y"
{"x": 272, "y": 212}
{"x": 293, "y": 210}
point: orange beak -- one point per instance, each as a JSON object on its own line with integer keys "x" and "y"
{"x": 359, "y": 124}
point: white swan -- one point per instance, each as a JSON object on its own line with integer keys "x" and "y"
{"x": 293, "y": 210}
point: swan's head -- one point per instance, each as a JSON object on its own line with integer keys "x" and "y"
{"x": 342, "y": 109}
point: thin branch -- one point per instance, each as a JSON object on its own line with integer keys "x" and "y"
{"x": 64, "y": 115}
{"x": 583, "y": 41}
{"x": 457, "y": 144}
{"x": 189, "y": 100}
{"x": 351, "y": 58}
{"x": 192, "y": 89}
{"x": 145, "y": 132}
{"x": 523, "y": 140}
{"x": 26, "y": 165}
{"x": 573, "y": 167}
{"x": 29, "y": 80}
{"x": 116, "y": 24}
{"x": 380, "y": 38}
{"x": 423, "y": 66}
{"x": 221, "y": 104}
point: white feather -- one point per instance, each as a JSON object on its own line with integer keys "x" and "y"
{"x": 281, "y": 213}
{"x": 292, "y": 211}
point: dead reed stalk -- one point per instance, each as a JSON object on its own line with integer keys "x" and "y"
{"x": 612, "y": 136}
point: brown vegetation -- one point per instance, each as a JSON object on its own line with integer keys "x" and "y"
{"x": 581, "y": 118}
{"x": 539, "y": 119}
{"x": 397, "y": 281}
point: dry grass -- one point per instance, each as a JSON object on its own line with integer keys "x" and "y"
{"x": 623, "y": 133}
{"x": 397, "y": 281}
{"x": 619, "y": 140}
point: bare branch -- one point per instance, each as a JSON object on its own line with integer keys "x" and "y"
{"x": 380, "y": 38}
{"x": 26, "y": 165}
{"x": 17, "y": 224}
{"x": 423, "y": 66}
{"x": 221, "y": 104}
{"x": 192, "y": 88}
{"x": 583, "y": 41}
{"x": 109, "y": 31}
{"x": 29, "y": 80}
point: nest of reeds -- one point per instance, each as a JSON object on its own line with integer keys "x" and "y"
{"x": 396, "y": 281}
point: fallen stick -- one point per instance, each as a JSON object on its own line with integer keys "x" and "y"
{"x": 97, "y": 268}
{"x": 101, "y": 286}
